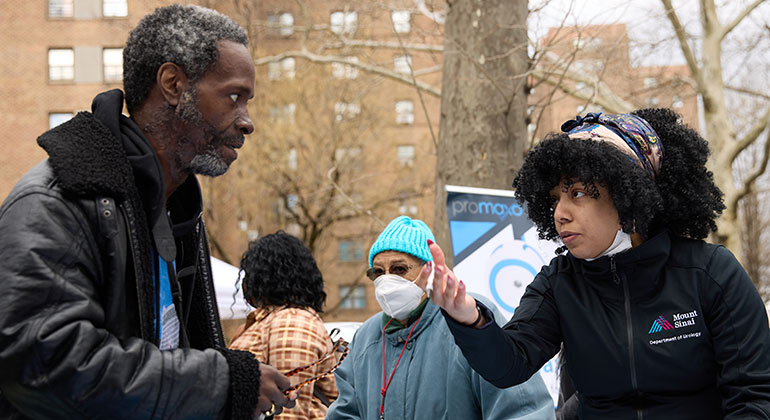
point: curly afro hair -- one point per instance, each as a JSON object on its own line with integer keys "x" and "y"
{"x": 279, "y": 270}
{"x": 683, "y": 197}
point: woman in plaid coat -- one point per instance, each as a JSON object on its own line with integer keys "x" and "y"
{"x": 282, "y": 281}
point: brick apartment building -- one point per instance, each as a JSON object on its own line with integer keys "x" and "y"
{"x": 315, "y": 122}
{"x": 604, "y": 51}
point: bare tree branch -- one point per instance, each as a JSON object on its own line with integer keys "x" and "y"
{"x": 427, "y": 70}
{"x": 738, "y": 19}
{"x": 748, "y": 91}
{"x": 437, "y": 17}
{"x": 366, "y": 43}
{"x": 368, "y": 212}
{"x": 681, "y": 35}
{"x": 752, "y": 176}
{"x": 751, "y": 136}
{"x": 419, "y": 93}
{"x": 315, "y": 58}
{"x": 308, "y": 24}
{"x": 603, "y": 96}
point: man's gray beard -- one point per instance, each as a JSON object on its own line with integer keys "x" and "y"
{"x": 208, "y": 164}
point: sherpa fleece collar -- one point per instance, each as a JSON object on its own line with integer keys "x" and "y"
{"x": 87, "y": 159}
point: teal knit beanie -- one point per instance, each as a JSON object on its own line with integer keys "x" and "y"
{"x": 406, "y": 235}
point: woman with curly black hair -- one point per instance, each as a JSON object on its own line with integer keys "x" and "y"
{"x": 282, "y": 281}
{"x": 655, "y": 322}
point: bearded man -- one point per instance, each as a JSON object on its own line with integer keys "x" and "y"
{"x": 107, "y": 305}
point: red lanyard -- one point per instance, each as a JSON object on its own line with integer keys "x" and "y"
{"x": 384, "y": 384}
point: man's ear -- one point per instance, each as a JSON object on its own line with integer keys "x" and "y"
{"x": 172, "y": 82}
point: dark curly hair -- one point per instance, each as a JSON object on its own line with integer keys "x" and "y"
{"x": 683, "y": 197}
{"x": 182, "y": 34}
{"x": 280, "y": 270}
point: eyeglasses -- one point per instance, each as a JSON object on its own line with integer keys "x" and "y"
{"x": 340, "y": 346}
{"x": 398, "y": 269}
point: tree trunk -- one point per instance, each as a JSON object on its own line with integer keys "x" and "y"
{"x": 720, "y": 131}
{"x": 482, "y": 137}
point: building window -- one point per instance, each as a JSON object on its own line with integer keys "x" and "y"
{"x": 587, "y": 43}
{"x": 353, "y": 297}
{"x": 349, "y": 203}
{"x": 407, "y": 207}
{"x": 115, "y": 8}
{"x": 345, "y": 71}
{"x": 587, "y": 65}
{"x": 405, "y": 112}
{"x": 350, "y": 251}
{"x": 287, "y": 68}
{"x": 288, "y": 112}
{"x": 281, "y": 24}
{"x": 402, "y": 63}
{"x": 283, "y": 114}
{"x": 273, "y": 70}
{"x": 292, "y": 159}
{"x": 282, "y": 69}
{"x": 653, "y": 101}
{"x": 56, "y": 118}
{"x": 346, "y": 111}
{"x": 60, "y": 8}
{"x": 650, "y": 82}
{"x": 343, "y": 22}
{"x": 291, "y": 201}
{"x": 531, "y": 128}
{"x": 677, "y": 102}
{"x": 405, "y": 154}
{"x": 401, "y": 23}
{"x": 61, "y": 64}
{"x": 112, "y": 59}
{"x": 349, "y": 157}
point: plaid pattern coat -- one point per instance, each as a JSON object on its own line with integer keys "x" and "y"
{"x": 287, "y": 338}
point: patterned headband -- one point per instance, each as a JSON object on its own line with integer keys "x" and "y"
{"x": 632, "y": 135}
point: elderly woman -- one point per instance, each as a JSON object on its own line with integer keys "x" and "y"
{"x": 655, "y": 322}
{"x": 402, "y": 363}
{"x": 282, "y": 281}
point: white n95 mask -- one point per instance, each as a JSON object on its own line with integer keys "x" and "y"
{"x": 396, "y": 295}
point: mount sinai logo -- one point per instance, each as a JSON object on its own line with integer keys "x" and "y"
{"x": 680, "y": 320}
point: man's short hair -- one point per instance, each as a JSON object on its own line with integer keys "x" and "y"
{"x": 185, "y": 35}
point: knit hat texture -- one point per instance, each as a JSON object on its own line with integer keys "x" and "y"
{"x": 406, "y": 235}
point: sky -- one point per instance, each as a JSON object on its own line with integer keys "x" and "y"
{"x": 655, "y": 28}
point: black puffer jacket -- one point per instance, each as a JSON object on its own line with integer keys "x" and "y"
{"x": 672, "y": 329}
{"x": 77, "y": 335}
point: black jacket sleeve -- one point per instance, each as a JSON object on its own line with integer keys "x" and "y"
{"x": 510, "y": 355}
{"x": 58, "y": 359}
{"x": 739, "y": 329}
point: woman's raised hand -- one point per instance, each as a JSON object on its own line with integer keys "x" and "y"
{"x": 448, "y": 292}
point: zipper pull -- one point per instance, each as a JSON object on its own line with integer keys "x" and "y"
{"x": 613, "y": 268}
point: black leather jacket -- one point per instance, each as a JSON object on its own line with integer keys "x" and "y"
{"x": 672, "y": 329}
{"x": 77, "y": 336}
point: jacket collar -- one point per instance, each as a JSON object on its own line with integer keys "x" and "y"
{"x": 641, "y": 266}
{"x": 87, "y": 160}
{"x": 429, "y": 316}
{"x": 106, "y": 154}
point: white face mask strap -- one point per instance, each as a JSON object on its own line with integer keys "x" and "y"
{"x": 622, "y": 242}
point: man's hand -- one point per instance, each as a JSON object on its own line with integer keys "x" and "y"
{"x": 271, "y": 390}
{"x": 448, "y": 292}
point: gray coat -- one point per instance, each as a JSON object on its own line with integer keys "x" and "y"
{"x": 432, "y": 380}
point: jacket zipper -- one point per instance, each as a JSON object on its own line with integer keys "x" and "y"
{"x": 629, "y": 329}
{"x": 133, "y": 258}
